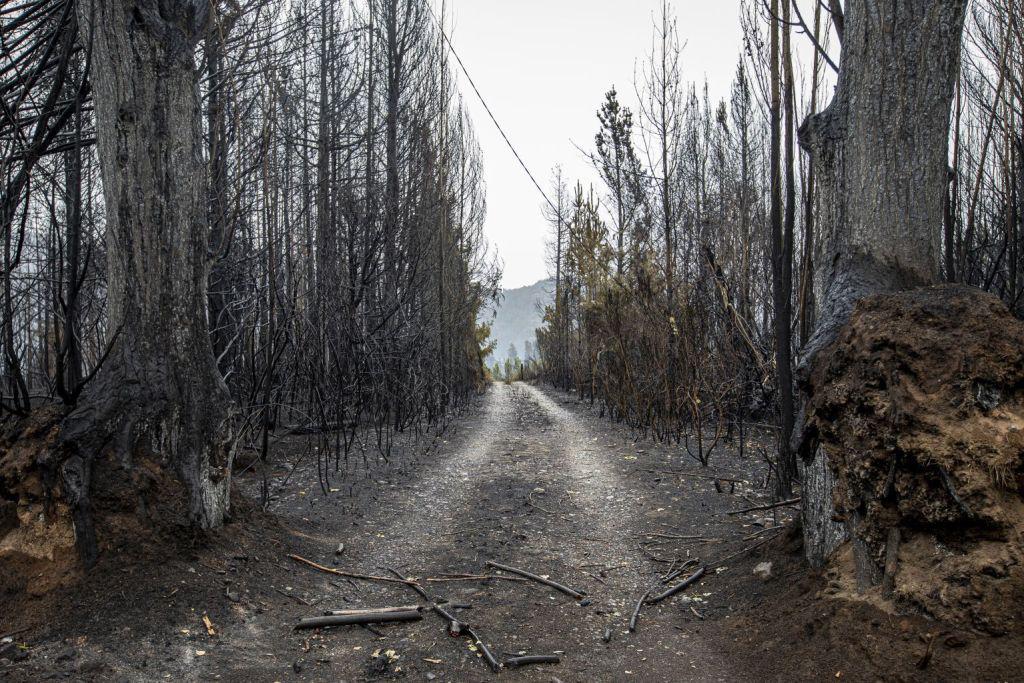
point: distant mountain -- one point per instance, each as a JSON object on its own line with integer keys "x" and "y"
{"x": 517, "y": 318}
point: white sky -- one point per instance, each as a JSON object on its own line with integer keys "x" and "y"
{"x": 544, "y": 67}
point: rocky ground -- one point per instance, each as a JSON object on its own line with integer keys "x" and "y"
{"x": 528, "y": 478}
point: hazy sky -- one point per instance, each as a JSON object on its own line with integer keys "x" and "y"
{"x": 544, "y": 66}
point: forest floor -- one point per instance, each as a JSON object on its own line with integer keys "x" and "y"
{"x": 528, "y": 478}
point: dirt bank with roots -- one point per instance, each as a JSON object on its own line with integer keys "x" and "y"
{"x": 920, "y": 405}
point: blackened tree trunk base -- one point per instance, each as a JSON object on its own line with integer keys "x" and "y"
{"x": 123, "y": 422}
{"x": 159, "y": 394}
{"x": 880, "y": 148}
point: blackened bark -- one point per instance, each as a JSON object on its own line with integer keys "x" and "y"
{"x": 220, "y": 284}
{"x": 783, "y": 267}
{"x": 68, "y": 375}
{"x": 881, "y": 149}
{"x": 159, "y": 393}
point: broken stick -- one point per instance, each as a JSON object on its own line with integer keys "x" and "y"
{"x": 415, "y": 586}
{"x": 532, "y": 659}
{"x": 689, "y": 581}
{"x": 350, "y": 575}
{"x": 455, "y": 627}
{"x": 472, "y": 577}
{"x": 578, "y": 595}
{"x": 772, "y": 506}
{"x": 372, "y": 617}
{"x": 370, "y": 610}
{"x": 672, "y": 576}
{"x": 636, "y": 611}
{"x": 484, "y": 650}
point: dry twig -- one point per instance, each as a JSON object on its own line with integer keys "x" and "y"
{"x": 578, "y": 595}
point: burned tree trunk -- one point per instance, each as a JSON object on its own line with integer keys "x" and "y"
{"x": 159, "y": 394}
{"x": 881, "y": 147}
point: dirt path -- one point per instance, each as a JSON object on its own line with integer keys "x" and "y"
{"x": 528, "y": 479}
{"x": 534, "y": 485}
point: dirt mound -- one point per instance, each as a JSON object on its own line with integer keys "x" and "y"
{"x": 813, "y": 626}
{"x": 136, "y": 502}
{"x": 920, "y": 406}
{"x": 31, "y": 523}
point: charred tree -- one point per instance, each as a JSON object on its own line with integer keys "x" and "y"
{"x": 159, "y": 393}
{"x": 881, "y": 150}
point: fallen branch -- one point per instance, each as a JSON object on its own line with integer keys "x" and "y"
{"x": 695, "y": 475}
{"x": 772, "y": 506}
{"x": 488, "y": 655}
{"x": 455, "y": 627}
{"x": 636, "y": 611}
{"x": 533, "y": 659}
{"x": 370, "y": 610}
{"x": 472, "y": 577}
{"x": 654, "y": 558}
{"x": 677, "y": 537}
{"x": 689, "y": 581}
{"x": 350, "y": 575}
{"x": 743, "y": 551}
{"x": 711, "y": 477}
{"x": 671, "y": 576}
{"x": 370, "y": 629}
{"x": 296, "y": 598}
{"x": 539, "y": 579}
{"x": 371, "y": 617}
{"x": 415, "y": 586}
{"x": 750, "y": 537}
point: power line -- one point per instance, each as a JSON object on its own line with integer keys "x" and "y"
{"x": 497, "y": 125}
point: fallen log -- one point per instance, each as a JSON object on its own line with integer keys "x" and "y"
{"x": 350, "y": 575}
{"x": 532, "y": 659}
{"x": 370, "y": 617}
{"x": 578, "y": 595}
{"x": 689, "y": 581}
{"x": 771, "y": 506}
